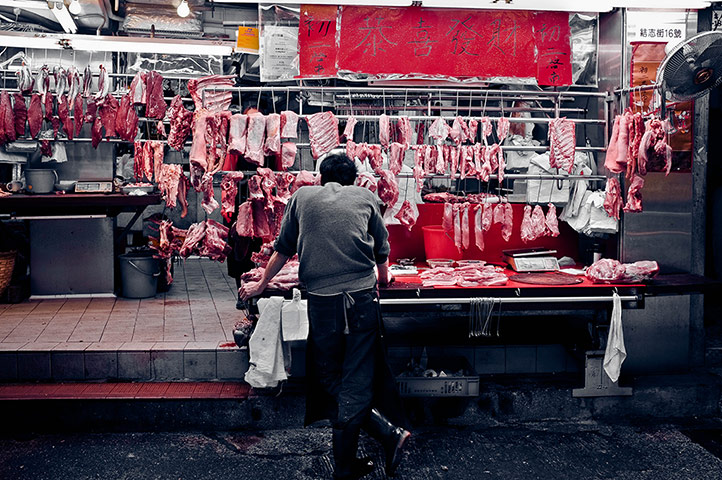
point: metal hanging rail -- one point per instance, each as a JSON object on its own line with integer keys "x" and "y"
{"x": 509, "y": 300}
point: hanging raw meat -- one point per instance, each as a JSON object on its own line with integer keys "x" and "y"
{"x": 303, "y": 178}
{"x": 254, "y": 138}
{"x": 407, "y": 215}
{"x": 64, "y": 115}
{"x": 78, "y": 115}
{"x": 384, "y": 130}
{"x": 61, "y": 81}
{"x": 138, "y": 91}
{"x": 26, "y": 82}
{"x": 366, "y": 180}
{"x": 213, "y": 100}
{"x": 376, "y": 158}
{"x": 103, "y": 85}
{"x": 20, "y": 114}
{"x": 459, "y": 132}
{"x": 180, "y": 124}
{"x": 486, "y": 128}
{"x": 478, "y": 229}
{"x": 405, "y": 132}
{"x": 465, "y": 226}
{"x": 538, "y": 222}
{"x": 396, "y": 157}
{"x": 35, "y": 115}
{"x": 456, "y": 214}
{"x": 487, "y": 216}
{"x": 126, "y": 120}
{"x": 138, "y": 160}
{"x": 654, "y": 148}
{"x": 43, "y": 82}
{"x": 613, "y": 197}
{"x": 562, "y": 143}
{"x": 527, "y": 229}
{"x": 209, "y": 202}
{"x": 351, "y": 149}
{"x": 229, "y": 191}
{"x": 108, "y": 111}
{"x": 439, "y": 130}
{"x": 636, "y": 131}
{"x": 168, "y": 180}
{"x": 388, "y": 188}
{"x": 473, "y": 128}
{"x": 349, "y": 128}
{"x": 7, "y": 119}
{"x": 96, "y": 132}
{"x": 289, "y": 124}
{"x": 634, "y": 195}
{"x": 504, "y": 214}
{"x": 419, "y": 172}
{"x": 87, "y": 82}
{"x": 288, "y": 155}
{"x": 612, "y": 160}
{"x": 155, "y": 103}
{"x": 237, "y": 134}
{"x": 322, "y": 133}
{"x": 447, "y": 222}
{"x": 502, "y": 128}
{"x": 552, "y": 223}
{"x": 273, "y": 134}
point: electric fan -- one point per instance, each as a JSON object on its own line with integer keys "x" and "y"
{"x": 691, "y": 68}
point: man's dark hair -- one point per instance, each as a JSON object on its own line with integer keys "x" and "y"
{"x": 338, "y": 168}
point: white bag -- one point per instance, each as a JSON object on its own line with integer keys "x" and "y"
{"x": 546, "y": 191}
{"x": 294, "y": 318}
{"x": 266, "y": 363}
{"x": 615, "y": 352}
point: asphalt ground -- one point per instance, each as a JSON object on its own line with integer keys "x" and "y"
{"x": 541, "y": 450}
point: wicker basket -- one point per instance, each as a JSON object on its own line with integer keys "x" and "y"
{"x": 7, "y": 263}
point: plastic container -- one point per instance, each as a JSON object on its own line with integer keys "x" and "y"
{"x": 437, "y": 244}
{"x": 139, "y": 274}
{"x": 449, "y": 386}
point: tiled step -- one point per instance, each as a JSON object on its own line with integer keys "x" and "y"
{"x": 131, "y": 361}
{"x": 125, "y": 391}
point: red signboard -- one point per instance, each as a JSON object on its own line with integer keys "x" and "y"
{"x": 436, "y": 42}
{"x": 317, "y": 41}
{"x": 554, "y": 55}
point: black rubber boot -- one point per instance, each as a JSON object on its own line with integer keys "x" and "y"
{"x": 392, "y": 438}
{"x": 348, "y": 467}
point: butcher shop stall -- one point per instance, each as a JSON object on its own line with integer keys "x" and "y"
{"x": 544, "y": 175}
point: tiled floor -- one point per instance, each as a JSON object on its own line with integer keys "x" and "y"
{"x": 186, "y": 333}
{"x": 200, "y": 307}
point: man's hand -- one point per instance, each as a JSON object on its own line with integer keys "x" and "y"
{"x": 385, "y": 277}
{"x": 250, "y": 290}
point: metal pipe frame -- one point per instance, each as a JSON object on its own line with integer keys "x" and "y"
{"x": 510, "y": 300}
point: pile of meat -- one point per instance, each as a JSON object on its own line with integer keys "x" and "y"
{"x": 207, "y": 239}
{"x": 466, "y": 276}
{"x": 284, "y": 280}
{"x": 612, "y": 271}
{"x": 634, "y": 147}
{"x": 535, "y": 224}
{"x": 446, "y": 197}
{"x": 260, "y": 216}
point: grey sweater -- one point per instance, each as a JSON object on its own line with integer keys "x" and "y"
{"x": 339, "y": 235}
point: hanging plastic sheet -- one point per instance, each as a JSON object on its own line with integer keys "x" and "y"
{"x": 278, "y": 42}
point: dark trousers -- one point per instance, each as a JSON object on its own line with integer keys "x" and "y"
{"x": 344, "y": 336}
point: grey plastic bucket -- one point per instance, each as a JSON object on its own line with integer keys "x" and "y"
{"x": 139, "y": 275}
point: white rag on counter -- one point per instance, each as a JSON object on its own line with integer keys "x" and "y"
{"x": 615, "y": 352}
{"x": 266, "y": 365}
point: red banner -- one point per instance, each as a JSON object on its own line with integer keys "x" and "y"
{"x": 317, "y": 41}
{"x": 449, "y": 43}
{"x": 554, "y": 51}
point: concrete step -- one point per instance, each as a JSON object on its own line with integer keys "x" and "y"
{"x": 130, "y": 361}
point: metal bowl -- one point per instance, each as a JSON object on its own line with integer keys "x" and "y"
{"x": 440, "y": 262}
{"x": 65, "y": 185}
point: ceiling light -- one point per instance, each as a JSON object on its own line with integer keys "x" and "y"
{"x": 156, "y": 45}
{"x": 74, "y": 7}
{"x": 183, "y": 9}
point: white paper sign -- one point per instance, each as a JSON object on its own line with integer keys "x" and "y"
{"x": 654, "y": 26}
{"x": 279, "y": 53}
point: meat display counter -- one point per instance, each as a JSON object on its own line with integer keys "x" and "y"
{"x": 72, "y": 241}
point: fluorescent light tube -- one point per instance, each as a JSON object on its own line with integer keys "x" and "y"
{"x": 24, "y": 40}
{"x": 145, "y": 45}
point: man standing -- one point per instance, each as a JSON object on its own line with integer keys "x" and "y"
{"x": 339, "y": 235}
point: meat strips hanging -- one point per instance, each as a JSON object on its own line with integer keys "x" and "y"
{"x": 562, "y": 143}
{"x": 322, "y": 132}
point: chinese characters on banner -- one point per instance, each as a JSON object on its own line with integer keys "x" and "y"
{"x": 554, "y": 63}
{"x": 435, "y": 42}
{"x": 317, "y": 41}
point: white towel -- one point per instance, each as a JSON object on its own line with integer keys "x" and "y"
{"x": 266, "y": 366}
{"x": 294, "y": 318}
{"x": 615, "y": 352}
